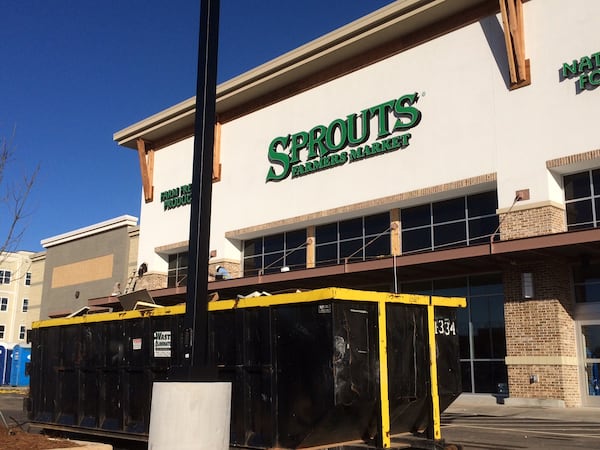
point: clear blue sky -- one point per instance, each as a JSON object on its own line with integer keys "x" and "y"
{"x": 73, "y": 72}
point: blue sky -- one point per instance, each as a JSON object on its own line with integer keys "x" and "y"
{"x": 73, "y": 72}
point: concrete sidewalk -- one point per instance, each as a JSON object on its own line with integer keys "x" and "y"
{"x": 488, "y": 405}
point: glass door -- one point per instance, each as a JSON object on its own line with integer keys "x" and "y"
{"x": 590, "y": 344}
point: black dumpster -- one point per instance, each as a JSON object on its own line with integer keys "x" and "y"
{"x": 311, "y": 368}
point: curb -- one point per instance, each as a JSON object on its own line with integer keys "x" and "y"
{"x": 88, "y": 446}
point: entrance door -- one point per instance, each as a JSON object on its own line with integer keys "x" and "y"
{"x": 590, "y": 345}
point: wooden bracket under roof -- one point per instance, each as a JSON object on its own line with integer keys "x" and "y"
{"x": 514, "y": 38}
{"x": 216, "y": 173}
{"x": 146, "y": 168}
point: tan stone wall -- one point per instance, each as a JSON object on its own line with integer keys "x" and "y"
{"x": 541, "y": 333}
{"x": 536, "y": 221}
{"x": 150, "y": 281}
{"x": 554, "y": 382}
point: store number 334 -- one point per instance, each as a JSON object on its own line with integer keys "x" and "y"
{"x": 445, "y": 327}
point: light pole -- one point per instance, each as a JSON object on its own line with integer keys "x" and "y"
{"x": 196, "y": 314}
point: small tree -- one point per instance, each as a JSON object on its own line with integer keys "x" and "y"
{"x": 13, "y": 198}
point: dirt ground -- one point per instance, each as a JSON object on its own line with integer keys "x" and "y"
{"x": 17, "y": 439}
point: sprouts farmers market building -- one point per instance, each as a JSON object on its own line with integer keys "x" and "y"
{"x": 420, "y": 149}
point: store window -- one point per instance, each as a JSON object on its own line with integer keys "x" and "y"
{"x": 582, "y": 199}
{"x": 5, "y": 276}
{"x": 178, "y": 270}
{"x": 358, "y": 239}
{"x": 586, "y": 278}
{"x": 25, "y": 305}
{"x": 456, "y": 222}
{"x": 271, "y": 254}
{"x": 480, "y": 326}
{"x": 3, "y": 304}
{"x": 22, "y": 332}
{"x": 28, "y": 279}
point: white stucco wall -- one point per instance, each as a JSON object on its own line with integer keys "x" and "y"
{"x": 472, "y": 124}
{"x": 160, "y": 227}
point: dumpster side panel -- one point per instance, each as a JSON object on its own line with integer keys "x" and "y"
{"x": 305, "y": 394}
{"x": 99, "y": 375}
{"x": 448, "y": 358}
{"x": 408, "y": 367}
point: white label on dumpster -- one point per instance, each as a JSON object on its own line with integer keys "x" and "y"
{"x": 162, "y": 344}
{"x": 445, "y": 327}
{"x": 136, "y": 343}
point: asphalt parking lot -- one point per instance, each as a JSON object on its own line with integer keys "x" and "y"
{"x": 477, "y": 424}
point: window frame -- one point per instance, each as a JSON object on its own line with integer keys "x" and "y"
{"x": 271, "y": 253}
{"x": 336, "y": 242}
{"x": 441, "y": 219}
{"x": 590, "y": 199}
{"x": 177, "y": 276}
{"x": 5, "y": 276}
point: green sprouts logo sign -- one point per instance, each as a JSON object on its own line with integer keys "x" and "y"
{"x": 344, "y": 140}
{"x": 587, "y": 68}
{"x": 176, "y": 197}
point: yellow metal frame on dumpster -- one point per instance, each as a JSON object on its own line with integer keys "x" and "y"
{"x": 381, "y": 298}
{"x": 333, "y": 293}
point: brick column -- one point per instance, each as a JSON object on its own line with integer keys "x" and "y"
{"x": 531, "y": 220}
{"x": 541, "y": 335}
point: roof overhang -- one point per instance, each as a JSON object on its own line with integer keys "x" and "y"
{"x": 388, "y": 24}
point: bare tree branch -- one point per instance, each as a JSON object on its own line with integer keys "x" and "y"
{"x": 13, "y": 196}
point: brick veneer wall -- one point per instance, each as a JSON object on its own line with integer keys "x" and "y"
{"x": 537, "y": 221}
{"x": 541, "y": 334}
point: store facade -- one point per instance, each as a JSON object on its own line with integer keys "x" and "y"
{"x": 410, "y": 151}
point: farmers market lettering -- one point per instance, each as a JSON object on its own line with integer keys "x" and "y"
{"x": 344, "y": 140}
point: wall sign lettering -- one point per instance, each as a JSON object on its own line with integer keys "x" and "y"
{"x": 344, "y": 140}
{"x": 587, "y": 68}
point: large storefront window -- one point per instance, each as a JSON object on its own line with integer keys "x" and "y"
{"x": 586, "y": 279}
{"x": 450, "y": 223}
{"x": 270, "y": 254}
{"x": 582, "y": 199}
{"x": 480, "y": 326}
{"x": 358, "y": 239}
{"x": 178, "y": 270}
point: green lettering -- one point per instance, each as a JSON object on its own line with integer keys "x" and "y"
{"x": 386, "y": 145}
{"x": 407, "y": 115}
{"x": 405, "y": 138}
{"x": 280, "y": 158}
{"x": 596, "y": 57}
{"x": 338, "y": 125}
{"x": 583, "y": 80}
{"x": 316, "y": 144}
{"x": 381, "y": 113}
{"x": 299, "y": 141}
{"x": 356, "y": 154}
{"x": 353, "y": 139}
{"x": 585, "y": 63}
{"x": 569, "y": 70}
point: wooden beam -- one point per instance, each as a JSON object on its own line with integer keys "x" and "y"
{"x": 216, "y": 176}
{"x": 146, "y": 158}
{"x": 514, "y": 39}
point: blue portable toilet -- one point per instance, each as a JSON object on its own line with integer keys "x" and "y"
{"x": 20, "y": 357}
{"x": 5, "y": 363}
